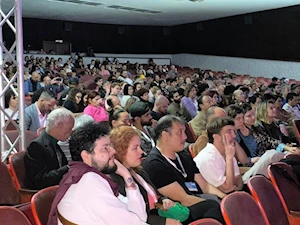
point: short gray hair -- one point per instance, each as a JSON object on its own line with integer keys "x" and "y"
{"x": 81, "y": 120}
{"x": 56, "y": 116}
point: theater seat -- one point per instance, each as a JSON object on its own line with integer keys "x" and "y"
{"x": 12, "y": 216}
{"x": 285, "y": 184}
{"x": 17, "y": 168}
{"x": 239, "y": 208}
{"x": 191, "y": 137}
{"x": 206, "y": 221}
{"x": 41, "y": 204}
{"x": 9, "y": 194}
{"x": 268, "y": 200}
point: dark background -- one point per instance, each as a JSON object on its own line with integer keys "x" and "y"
{"x": 273, "y": 34}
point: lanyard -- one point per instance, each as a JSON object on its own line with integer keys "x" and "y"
{"x": 182, "y": 171}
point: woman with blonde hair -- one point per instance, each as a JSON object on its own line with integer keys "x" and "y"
{"x": 267, "y": 133}
{"x": 239, "y": 97}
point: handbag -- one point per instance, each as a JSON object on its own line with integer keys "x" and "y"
{"x": 176, "y": 212}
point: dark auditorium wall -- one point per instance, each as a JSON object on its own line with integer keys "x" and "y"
{"x": 273, "y": 34}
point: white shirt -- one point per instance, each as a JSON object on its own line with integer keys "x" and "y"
{"x": 10, "y": 112}
{"x": 92, "y": 202}
{"x": 212, "y": 165}
{"x": 294, "y": 111}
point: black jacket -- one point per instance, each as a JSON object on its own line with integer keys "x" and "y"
{"x": 41, "y": 163}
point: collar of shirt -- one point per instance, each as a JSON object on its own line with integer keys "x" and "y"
{"x": 52, "y": 139}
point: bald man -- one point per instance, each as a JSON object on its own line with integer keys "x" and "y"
{"x": 160, "y": 108}
{"x": 32, "y": 84}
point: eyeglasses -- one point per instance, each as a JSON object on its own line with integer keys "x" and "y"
{"x": 107, "y": 148}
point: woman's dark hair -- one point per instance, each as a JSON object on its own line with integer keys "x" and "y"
{"x": 126, "y": 87}
{"x": 72, "y": 93}
{"x": 115, "y": 115}
{"x": 98, "y": 78}
{"x": 246, "y": 107}
{"x": 8, "y": 94}
{"x": 92, "y": 95}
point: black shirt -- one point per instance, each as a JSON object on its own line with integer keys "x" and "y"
{"x": 162, "y": 173}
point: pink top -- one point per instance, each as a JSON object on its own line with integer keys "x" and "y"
{"x": 104, "y": 73}
{"x": 98, "y": 113}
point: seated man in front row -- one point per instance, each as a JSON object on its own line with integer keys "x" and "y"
{"x": 44, "y": 160}
{"x": 216, "y": 161}
{"x": 173, "y": 172}
{"x": 86, "y": 194}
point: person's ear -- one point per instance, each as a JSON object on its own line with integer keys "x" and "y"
{"x": 114, "y": 123}
{"x": 86, "y": 157}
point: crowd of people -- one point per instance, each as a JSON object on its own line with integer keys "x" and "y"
{"x": 113, "y": 136}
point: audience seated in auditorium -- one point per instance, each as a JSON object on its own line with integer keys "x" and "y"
{"x": 44, "y": 160}
{"x": 11, "y": 104}
{"x": 176, "y": 108}
{"x": 189, "y": 100}
{"x": 216, "y": 161}
{"x": 292, "y": 106}
{"x": 72, "y": 83}
{"x": 173, "y": 172}
{"x": 93, "y": 159}
{"x": 126, "y": 142}
{"x": 202, "y": 140}
{"x": 36, "y": 114}
{"x": 160, "y": 108}
{"x": 96, "y": 107}
{"x": 198, "y": 123}
{"x": 32, "y": 84}
{"x": 73, "y": 101}
{"x": 141, "y": 121}
{"x": 246, "y": 146}
{"x": 267, "y": 133}
{"x": 119, "y": 117}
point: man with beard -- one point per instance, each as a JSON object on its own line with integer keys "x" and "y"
{"x": 216, "y": 161}
{"x": 176, "y": 108}
{"x": 141, "y": 116}
{"x": 44, "y": 160}
{"x": 86, "y": 194}
{"x": 36, "y": 114}
{"x": 32, "y": 84}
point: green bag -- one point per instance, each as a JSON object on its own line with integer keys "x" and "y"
{"x": 177, "y": 212}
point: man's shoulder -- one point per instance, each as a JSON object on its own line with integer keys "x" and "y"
{"x": 153, "y": 158}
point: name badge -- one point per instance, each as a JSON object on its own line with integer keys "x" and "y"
{"x": 191, "y": 186}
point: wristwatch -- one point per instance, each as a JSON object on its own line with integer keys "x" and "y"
{"x": 131, "y": 185}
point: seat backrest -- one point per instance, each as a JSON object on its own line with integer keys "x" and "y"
{"x": 296, "y": 124}
{"x": 190, "y": 135}
{"x": 41, "y": 204}
{"x": 9, "y": 194}
{"x": 240, "y": 208}
{"x": 292, "y": 156}
{"x": 285, "y": 185}
{"x": 13, "y": 135}
{"x": 268, "y": 200}
{"x": 17, "y": 167}
{"x": 11, "y": 215}
{"x": 206, "y": 221}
